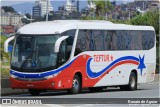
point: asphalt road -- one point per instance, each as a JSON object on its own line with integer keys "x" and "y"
{"x": 89, "y": 99}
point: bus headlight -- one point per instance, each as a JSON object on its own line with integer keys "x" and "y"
{"x": 51, "y": 76}
{"x": 13, "y": 76}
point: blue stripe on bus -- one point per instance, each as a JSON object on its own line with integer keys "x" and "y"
{"x": 40, "y": 75}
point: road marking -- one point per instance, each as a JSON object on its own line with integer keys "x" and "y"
{"x": 54, "y": 105}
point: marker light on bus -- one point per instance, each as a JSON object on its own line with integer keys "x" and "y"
{"x": 13, "y": 76}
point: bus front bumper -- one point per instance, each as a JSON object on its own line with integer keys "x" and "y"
{"x": 52, "y": 83}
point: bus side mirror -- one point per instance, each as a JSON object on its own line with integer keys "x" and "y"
{"x": 6, "y": 47}
{"x": 58, "y": 43}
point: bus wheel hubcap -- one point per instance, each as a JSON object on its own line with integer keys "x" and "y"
{"x": 132, "y": 81}
{"x": 75, "y": 84}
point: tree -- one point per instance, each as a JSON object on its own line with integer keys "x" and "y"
{"x": 8, "y": 9}
{"x": 28, "y": 15}
{"x": 25, "y": 21}
{"x": 103, "y": 7}
{"x": 38, "y": 19}
{"x": 149, "y": 19}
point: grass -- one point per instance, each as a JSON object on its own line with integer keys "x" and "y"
{"x": 5, "y": 72}
{"x": 5, "y": 64}
{"x": 3, "y": 54}
{"x": 5, "y": 67}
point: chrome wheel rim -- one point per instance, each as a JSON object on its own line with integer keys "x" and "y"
{"x": 75, "y": 84}
{"x": 133, "y": 82}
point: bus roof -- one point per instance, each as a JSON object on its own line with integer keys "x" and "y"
{"x": 59, "y": 26}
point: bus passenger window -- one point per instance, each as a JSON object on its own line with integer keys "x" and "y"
{"x": 84, "y": 42}
{"x": 97, "y": 40}
{"x": 62, "y": 54}
{"x": 113, "y": 40}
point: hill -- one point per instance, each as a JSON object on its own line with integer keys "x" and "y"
{"x": 23, "y": 7}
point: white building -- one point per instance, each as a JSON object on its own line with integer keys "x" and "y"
{"x": 16, "y": 19}
{"x": 70, "y": 6}
{"x": 11, "y": 19}
{"x": 5, "y": 19}
{"x": 43, "y": 5}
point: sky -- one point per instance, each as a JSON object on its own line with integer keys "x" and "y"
{"x": 12, "y": 2}
{"x": 26, "y": 5}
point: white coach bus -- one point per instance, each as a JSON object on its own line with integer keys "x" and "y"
{"x": 74, "y": 54}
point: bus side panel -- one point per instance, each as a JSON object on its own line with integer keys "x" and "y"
{"x": 150, "y": 72}
{"x": 119, "y": 72}
{"x": 117, "y": 67}
{"x": 118, "y": 76}
{"x": 79, "y": 66}
{"x": 151, "y": 65}
{"x": 122, "y": 73}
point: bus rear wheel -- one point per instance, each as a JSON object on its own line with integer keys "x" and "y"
{"x": 76, "y": 85}
{"x": 132, "y": 83}
{"x": 34, "y": 92}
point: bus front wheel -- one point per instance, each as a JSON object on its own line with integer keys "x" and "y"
{"x": 76, "y": 85}
{"x": 34, "y": 92}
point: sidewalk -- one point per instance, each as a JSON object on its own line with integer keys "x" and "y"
{"x": 9, "y": 91}
{"x": 6, "y": 90}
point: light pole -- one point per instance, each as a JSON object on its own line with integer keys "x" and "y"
{"x": 47, "y": 11}
{"x": 129, "y": 14}
{"x": 31, "y": 16}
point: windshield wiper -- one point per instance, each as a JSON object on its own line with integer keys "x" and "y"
{"x": 31, "y": 62}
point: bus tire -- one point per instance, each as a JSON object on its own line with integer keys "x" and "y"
{"x": 34, "y": 92}
{"x": 95, "y": 89}
{"x": 76, "y": 85}
{"x": 132, "y": 82}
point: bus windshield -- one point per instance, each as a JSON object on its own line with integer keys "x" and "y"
{"x": 34, "y": 53}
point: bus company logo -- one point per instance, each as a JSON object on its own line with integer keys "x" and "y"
{"x": 6, "y": 101}
{"x": 103, "y": 58}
